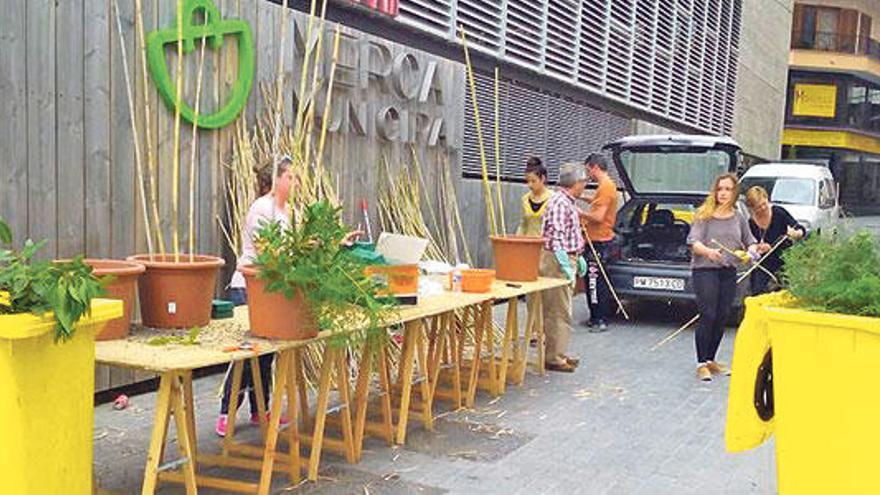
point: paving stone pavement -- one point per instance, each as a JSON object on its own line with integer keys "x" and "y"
{"x": 628, "y": 421}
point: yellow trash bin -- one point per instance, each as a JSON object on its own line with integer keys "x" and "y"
{"x": 46, "y": 403}
{"x": 826, "y": 404}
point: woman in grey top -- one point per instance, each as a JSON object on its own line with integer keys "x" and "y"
{"x": 717, "y": 223}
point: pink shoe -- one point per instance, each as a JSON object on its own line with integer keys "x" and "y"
{"x": 255, "y": 419}
{"x": 220, "y": 428}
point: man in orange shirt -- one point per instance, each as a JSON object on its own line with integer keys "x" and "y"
{"x": 599, "y": 225}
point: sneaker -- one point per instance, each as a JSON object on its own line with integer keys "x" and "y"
{"x": 573, "y": 361}
{"x": 717, "y": 368}
{"x": 703, "y": 373}
{"x": 599, "y": 328}
{"x": 220, "y": 427}
{"x": 255, "y": 419}
{"x": 564, "y": 367}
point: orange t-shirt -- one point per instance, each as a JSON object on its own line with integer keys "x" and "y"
{"x": 606, "y": 195}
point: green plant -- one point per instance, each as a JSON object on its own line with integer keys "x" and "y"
{"x": 309, "y": 258}
{"x": 835, "y": 273}
{"x": 191, "y": 338}
{"x": 31, "y": 286}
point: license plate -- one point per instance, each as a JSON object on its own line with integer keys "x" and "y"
{"x": 659, "y": 283}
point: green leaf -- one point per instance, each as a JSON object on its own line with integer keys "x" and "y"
{"x": 5, "y": 233}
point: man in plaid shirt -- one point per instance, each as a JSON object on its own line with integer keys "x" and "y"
{"x": 563, "y": 245}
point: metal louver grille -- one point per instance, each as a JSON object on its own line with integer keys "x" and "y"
{"x": 536, "y": 123}
{"x": 674, "y": 58}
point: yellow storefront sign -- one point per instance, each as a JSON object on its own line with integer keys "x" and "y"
{"x": 814, "y": 100}
{"x": 815, "y": 138}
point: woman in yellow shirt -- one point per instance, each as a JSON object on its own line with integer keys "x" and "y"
{"x": 534, "y": 202}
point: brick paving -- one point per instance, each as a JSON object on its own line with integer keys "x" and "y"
{"x": 628, "y": 421}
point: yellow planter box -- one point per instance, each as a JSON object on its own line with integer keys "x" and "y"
{"x": 826, "y": 369}
{"x": 46, "y": 402}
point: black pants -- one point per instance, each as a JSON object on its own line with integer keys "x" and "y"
{"x": 761, "y": 283}
{"x": 598, "y": 294}
{"x": 239, "y": 297}
{"x": 715, "y": 290}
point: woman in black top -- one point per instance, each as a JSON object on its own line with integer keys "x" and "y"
{"x": 769, "y": 224}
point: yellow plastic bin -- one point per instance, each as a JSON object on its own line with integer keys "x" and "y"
{"x": 826, "y": 404}
{"x": 46, "y": 402}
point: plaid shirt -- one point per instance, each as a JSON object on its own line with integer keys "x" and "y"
{"x": 562, "y": 226}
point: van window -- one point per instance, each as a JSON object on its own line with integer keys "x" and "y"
{"x": 678, "y": 171}
{"x": 784, "y": 190}
{"x": 826, "y": 194}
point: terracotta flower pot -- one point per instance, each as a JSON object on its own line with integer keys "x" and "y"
{"x": 123, "y": 287}
{"x": 517, "y": 257}
{"x": 272, "y": 315}
{"x": 177, "y": 294}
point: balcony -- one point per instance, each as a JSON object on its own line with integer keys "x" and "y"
{"x": 834, "y": 51}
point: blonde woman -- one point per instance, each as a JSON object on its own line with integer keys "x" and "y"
{"x": 717, "y": 223}
{"x": 534, "y": 202}
{"x": 769, "y": 223}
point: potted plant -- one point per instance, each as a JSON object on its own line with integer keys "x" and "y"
{"x": 48, "y": 322}
{"x": 806, "y": 365}
{"x": 304, "y": 281}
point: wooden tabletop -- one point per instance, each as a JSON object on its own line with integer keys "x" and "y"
{"x": 136, "y": 351}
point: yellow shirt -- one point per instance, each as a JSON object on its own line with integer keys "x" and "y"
{"x": 532, "y": 221}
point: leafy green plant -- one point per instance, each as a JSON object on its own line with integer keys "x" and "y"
{"x": 835, "y": 273}
{"x": 191, "y": 338}
{"x": 33, "y": 286}
{"x": 309, "y": 258}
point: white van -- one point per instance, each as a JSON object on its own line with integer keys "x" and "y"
{"x": 806, "y": 191}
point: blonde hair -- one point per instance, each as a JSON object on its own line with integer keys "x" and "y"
{"x": 755, "y": 195}
{"x": 710, "y": 205}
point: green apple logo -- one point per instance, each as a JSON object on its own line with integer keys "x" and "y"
{"x": 214, "y": 29}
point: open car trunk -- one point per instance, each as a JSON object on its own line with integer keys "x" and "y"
{"x": 653, "y": 229}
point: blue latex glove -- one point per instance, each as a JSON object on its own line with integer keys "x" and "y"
{"x": 564, "y": 264}
{"x": 582, "y": 266}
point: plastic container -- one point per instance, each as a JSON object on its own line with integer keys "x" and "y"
{"x": 401, "y": 279}
{"x": 825, "y": 406}
{"x": 517, "y": 257}
{"x": 47, "y": 402}
{"x": 475, "y": 280}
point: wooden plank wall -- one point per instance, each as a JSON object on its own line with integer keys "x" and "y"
{"x": 67, "y": 151}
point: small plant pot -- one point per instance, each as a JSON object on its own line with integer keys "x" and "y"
{"x": 273, "y": 316}
{"x": 476, "y": 280}
{"x": 517, "y": 257}
{"x": 123, "y": 286}
{"x": 177, "y": 294}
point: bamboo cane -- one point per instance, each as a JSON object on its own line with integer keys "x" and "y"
{"x": 738, "y": 281}
{"x": 326, "y": 119}
{"x": 279, "y": 96}
{"x": 487, "y": 192}
{"x": 498, "y": 152}
{"x": 305, "y": 70}
{"x": 148, "y": 132}
{"x": 192, "y": 157}
{"x": 175, "y": 182}
{"x": 733, "y": 253}
{"x": 134, "y": 130}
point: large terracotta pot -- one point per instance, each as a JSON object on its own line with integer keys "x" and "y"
{"x": 517, "y": 257}
{"x": 123, "y": 286}
{"x": 177, "y": 294}
{"x": 272, "y": 315}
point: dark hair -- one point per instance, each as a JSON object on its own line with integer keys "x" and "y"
{"x": 533, "y": 166}
{"x": 264, "y": 174}
{"x": 597, "y": 159}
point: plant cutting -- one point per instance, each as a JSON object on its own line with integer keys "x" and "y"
{"x": 322, "y": 283}
{"x": 805, "y": 364}
{"x": 48, "y": 322}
